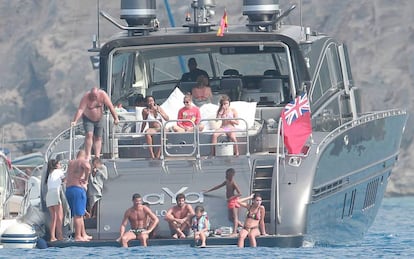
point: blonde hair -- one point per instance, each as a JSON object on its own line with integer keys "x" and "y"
{"x": 188, "y": 96}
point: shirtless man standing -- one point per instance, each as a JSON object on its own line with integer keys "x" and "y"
{"x": 91, "y": 110}
{"x": 76, "y": 184}
{"x": 137, "y": 216}
{"x": 179, "y": 216}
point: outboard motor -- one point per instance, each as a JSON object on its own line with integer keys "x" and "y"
{"x": 261, "y": 13}
{"x": 138, "y": 12}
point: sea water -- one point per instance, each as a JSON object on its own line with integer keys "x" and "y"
{"x": 391, "y": 236}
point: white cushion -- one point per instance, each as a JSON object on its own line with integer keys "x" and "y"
{"x": 173, "y": 104}
{"x": 209, "y": 111}
{"x": 246, "y": 111}
{"x": 138, "y": 116}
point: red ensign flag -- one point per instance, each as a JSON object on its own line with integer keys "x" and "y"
{"x": 297, "y": 126}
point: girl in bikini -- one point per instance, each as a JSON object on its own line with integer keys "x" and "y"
{"x": 155, "y": 114}
{"x": 254, "y": 224}
{"x": 227, "y": 125}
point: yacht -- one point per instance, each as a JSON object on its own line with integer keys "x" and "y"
{"x": 319, "y": 160}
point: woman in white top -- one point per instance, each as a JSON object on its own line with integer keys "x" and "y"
{"x": 154, "y": 114}
{"x": 54, "y": 177}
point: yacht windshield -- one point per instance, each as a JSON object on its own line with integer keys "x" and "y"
{"x": 158, "y": 69}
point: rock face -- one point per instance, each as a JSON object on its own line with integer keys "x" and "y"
{"x": 46, "y": 66}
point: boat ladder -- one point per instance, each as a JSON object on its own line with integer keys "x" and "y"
{"x": 262, "y": 183}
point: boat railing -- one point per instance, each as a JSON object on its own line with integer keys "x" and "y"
{"x": 280, "y": 153}
{"x": 360, "y": 120}
{"x": 24, "y": 205}
{"x": 242, "y": 132}
{"x": 19, "y": 180}
{"x": 118, "y": 134}
{"x": 68, "y": 134}
{"x": 164, "y": 132}
{"x": 193, "y": 145}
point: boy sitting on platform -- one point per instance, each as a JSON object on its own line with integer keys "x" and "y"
{"x": 200, "y": 225}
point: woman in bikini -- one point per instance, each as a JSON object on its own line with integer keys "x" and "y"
{"x": 155, "y": 114}
{"x": 227, "y": 125}
{"x": 254, "y": 224}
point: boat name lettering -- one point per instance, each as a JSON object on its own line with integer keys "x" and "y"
{"x": 159, "y": 198}
{"x": 160, "y": 213}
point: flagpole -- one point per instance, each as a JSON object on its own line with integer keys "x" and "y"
{"x": 301, "y": 22}
{"x": 225, "y": 20}
{"x": 278, "y": 157}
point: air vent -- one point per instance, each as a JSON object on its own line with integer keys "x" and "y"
{"x": 138, "y": 12}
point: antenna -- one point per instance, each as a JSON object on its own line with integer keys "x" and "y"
{"x": 95, "y": 38}
{"x": 97, "y": 18}
{"x": 300, "y": 14}
{"x": 96, "y": 45}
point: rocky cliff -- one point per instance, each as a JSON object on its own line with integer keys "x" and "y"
{"x": 46, "y": 66}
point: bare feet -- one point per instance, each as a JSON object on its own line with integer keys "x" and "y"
{"x": 158, "y": 155}
{"x": 53, "y": 240}
{"x": 180, "y": 233}
{"x": 81, "y": 239}
{"x": 175, "y": 236}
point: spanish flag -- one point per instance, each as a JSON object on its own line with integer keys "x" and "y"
{"x": 223, "y": 25}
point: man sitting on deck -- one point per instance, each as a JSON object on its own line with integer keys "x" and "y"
{"x": 179, "y": 216}
{"x": 137, "y": 216}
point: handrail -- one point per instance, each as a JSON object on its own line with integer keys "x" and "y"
{"x": 120, "y": 134}
{"x": 70, "y": 134}
{"x": 70, "y": 142}
{"x": 163, "y": 145}
{"x": 63, "y": 135}
{"x": 277, "y": 161}
{"x": 245, "y": 131}
{"x": 25, "y": 201}
{"x": 361, "y": 120}
{"x": 194, "y": 145}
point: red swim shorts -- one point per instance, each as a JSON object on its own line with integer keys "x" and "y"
{"x": 232, "y": 203}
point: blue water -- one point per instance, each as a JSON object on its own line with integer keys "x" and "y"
{"x": 391, "y": 236}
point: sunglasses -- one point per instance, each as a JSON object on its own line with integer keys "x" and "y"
{"x": 185, "y": 102}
